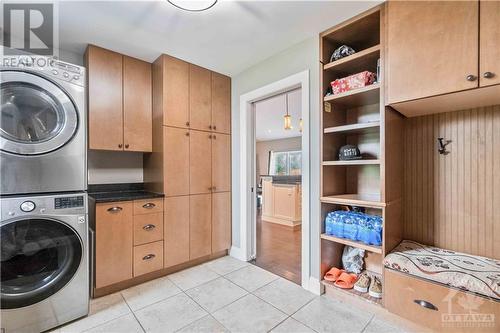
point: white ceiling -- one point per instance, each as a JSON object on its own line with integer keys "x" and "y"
{"x": 269, "y": 113}
{"x": 229, "y": 38}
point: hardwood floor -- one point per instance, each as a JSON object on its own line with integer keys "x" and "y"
{"x": 278, "y": 249}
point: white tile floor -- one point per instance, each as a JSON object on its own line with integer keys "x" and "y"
{"x": 224, "y": 295}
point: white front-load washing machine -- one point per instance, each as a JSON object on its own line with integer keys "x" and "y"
{"x": 44, "y": 261}
{"x": 42, "y": 126}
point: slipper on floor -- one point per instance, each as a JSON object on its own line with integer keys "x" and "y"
{"x": 333, "y": 274}
{"x": 346, "y": 280}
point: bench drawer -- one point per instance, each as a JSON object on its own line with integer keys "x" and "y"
{"x": 148, "y": 206}
{"x": 148, "y": 228}
{"x": 439, "y": 307}
{"x": 148, "y": 258}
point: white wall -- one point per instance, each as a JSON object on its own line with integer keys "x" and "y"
{"x": 300, "y": 57}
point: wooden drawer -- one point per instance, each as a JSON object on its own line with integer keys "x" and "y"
{"x": 148, "y": 228}
{"x": 148, "y": 206}
{"x": 438, "y": 307}
{"x": 148, "y": 258}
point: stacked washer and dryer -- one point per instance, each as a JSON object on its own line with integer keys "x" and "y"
{"x": 44, "y": 209}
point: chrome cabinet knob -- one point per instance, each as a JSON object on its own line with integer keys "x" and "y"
{"x": 115, "y": 209}
{"x": 149, "y": 227}
{"x": 471, "y": 77}
{"x": 488, "y": 75}
{"x": 149, "y": 205}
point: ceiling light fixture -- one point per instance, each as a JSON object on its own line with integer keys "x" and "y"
{"x": 288, "y": 118}
{"x": 193, "y": 5}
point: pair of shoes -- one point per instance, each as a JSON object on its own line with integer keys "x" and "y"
{"x": 341, "y": 278}
{"x": 372, "y": 285}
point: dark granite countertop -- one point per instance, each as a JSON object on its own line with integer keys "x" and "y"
{"x": 285, "y": 180}
{"x": 120, "y": 192}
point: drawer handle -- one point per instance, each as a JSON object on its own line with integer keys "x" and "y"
{"x": 148, "y": 257}
{"x": 149, "y": 205}
{"x": 426, "y": 304}
{"x": 115, "y": 209}
{"x": 149, "y": 227}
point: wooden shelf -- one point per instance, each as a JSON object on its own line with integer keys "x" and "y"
{"x": 354, "y": 128}
{"x": 359, "y": 245}
{"x": 357, "y": 97}
{"x": 332, "y": 289}
{"x": 352, "y": 162}
{"x": 357, "y": 62}
{"x": 362, "y": 200}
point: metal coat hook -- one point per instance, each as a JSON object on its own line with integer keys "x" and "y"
{"x": 442, "y": 146}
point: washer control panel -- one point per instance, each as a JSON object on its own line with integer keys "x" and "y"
{"x": 28, "y": 206}
{"x": 68, "y": 202}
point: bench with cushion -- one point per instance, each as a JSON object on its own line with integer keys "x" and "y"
{"x": 443, "y": 289}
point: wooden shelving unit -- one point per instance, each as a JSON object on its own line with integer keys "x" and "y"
{"x": 360, "y": 245}
{"x": 361, "y": 200}
{"x": 352, "y": 162}
{"x": 354, "y": 128}
{"x": 357, "y": 97}
{"x": 359, "y": 117}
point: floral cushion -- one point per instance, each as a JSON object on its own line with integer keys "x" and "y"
{"x": 467, "y": 272}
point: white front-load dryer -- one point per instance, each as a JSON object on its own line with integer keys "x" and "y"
{"x": 44, "y": 261}
{"x": 42, "y": 126}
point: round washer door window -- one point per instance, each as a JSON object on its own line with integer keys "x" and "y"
{"x": 38, "y": 258}
{"x": 36, "y": 115}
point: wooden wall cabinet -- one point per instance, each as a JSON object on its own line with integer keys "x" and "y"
{"x": 221, "y": 215}
{"x": 489, "y": 43}
{"x": 200, "y": 225}
{"x": 176, "y": 230}
{"x": 119, "y": 101}
{"x": 191, "y": 161}
{"x": 200, "y": 97}
{"x": 114, "y": 244}
{"x": 442, "y": 55}
{"x": 432, "y": 48}
{"x": 129, "y": 240}
{"x": 200, "y": 170}
{"x": 221, "y": 103}
{"x": 176, "y": 161}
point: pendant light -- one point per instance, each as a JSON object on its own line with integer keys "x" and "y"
{"x": 193, "y": 5}
{"x": 288, "y": 118}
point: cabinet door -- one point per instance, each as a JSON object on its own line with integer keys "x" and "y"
{"x": 176, "y": 230}
{"x": 137, "y": 107}
{"x": 200, "y": 152}
{"x": 113, "y": 244}
{"x": 221, "y": 103}
{"x": 200, "y": 225}
{"x": 175, "y": 92}
{"x": 221, "y": 162}
{"x": 489, "y": 50}
{"x": 176, "y": 161}
{"x": 200, "y": 113}
{"x": 267, "y": 198}
{"x": 432, "y": 48}
{"x": 284, "y": 201}
{"x": 105, "y": 99}
{"x": 221, "y": 221}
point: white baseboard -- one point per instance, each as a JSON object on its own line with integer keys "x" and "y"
{"x": 237, "y": 253}
{"x": 315, "y": 286}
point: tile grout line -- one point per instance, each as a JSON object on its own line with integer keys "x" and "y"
{"x": 133, "y": 313}
{"x": 368, "y": 323}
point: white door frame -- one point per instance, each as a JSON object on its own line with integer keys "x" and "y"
{"x": 247, "y": 166}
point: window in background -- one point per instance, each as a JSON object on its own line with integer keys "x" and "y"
{"x": 285, "y": 163}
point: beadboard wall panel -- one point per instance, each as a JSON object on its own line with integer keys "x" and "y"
{"x": 453, "y": 201}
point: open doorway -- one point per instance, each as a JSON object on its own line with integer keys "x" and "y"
{"x": 246, "y": 248}
{"x": 278, "y": 166}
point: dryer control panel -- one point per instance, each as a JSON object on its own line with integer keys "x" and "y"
{"x": 68, "y": 202}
